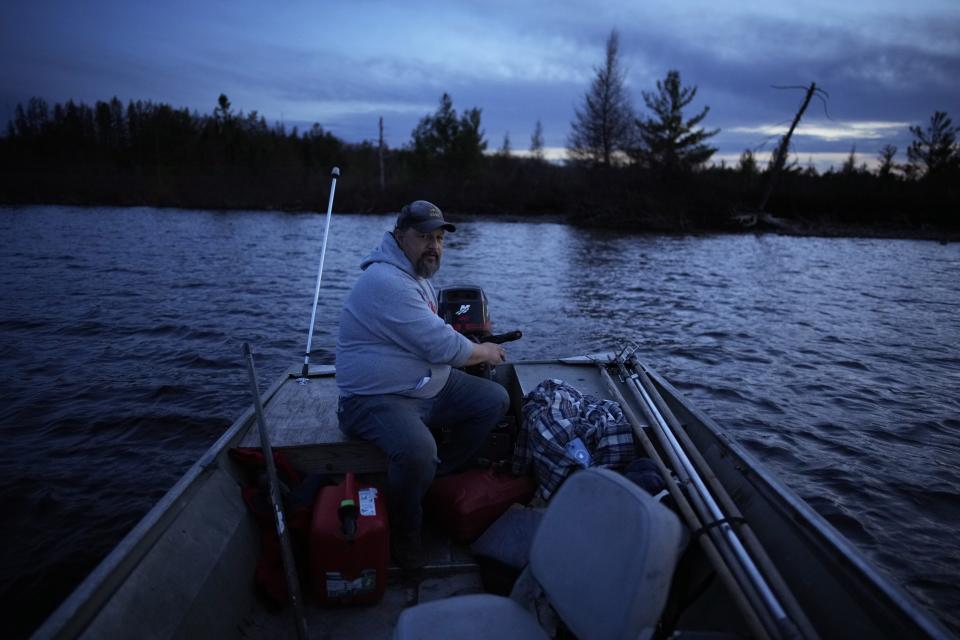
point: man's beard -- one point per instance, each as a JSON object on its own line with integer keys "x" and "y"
{"x": 425, "y": 270}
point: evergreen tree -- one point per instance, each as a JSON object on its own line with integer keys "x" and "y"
{"x": 748, "y": 163}
{"x": 469, "y": 143}
{"x": 536, "y": 142}
{"x": 886, "y": 167}
{"x": 222, "y": 111}
{"x": 458, "y": 141}
{"x": 668, "y": 142}
{"x": 850, "y": 164}
{"x": 34, "y": 120}
{"x": 504, "y": 149}
{"x": 935, "y": 150}
{"x": 603, "y": 126}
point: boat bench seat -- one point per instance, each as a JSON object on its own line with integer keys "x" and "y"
{"x": 604, "y": 556}
{"x": 302, "y": 423}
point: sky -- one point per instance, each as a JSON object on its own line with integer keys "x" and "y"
{"x": 885, "y": 64}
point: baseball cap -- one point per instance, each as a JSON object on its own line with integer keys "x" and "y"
{"x": 423, "y": 216}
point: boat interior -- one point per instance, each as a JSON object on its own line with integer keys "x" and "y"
{"x": 452, "y": 570}
{"x": 188, "y": 568}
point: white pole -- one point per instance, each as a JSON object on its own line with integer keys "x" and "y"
{"x": 316, "y": 293}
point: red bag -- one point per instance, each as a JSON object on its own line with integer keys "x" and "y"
{"x": 465, "y": 504}
{"x": 269, "y": 576}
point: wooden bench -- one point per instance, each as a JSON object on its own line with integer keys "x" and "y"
{"x": 302, "y": 424}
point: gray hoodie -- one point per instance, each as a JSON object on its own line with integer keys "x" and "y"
{"x": 391, "y": 339}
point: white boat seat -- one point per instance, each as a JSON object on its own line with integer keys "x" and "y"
{"x": 604, "y": 555}
{"x": 479, "y": 615}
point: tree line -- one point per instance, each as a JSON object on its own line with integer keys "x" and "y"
{"x": 646, "y": 170}
{"x": 607, "y": 131}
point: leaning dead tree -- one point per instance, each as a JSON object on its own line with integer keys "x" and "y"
{"x": 781, "y": 152}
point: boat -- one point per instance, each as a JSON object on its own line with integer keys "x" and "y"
{"x": 186, "y": 569}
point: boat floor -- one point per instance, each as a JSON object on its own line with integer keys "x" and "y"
{"x": 302, "y": 424}
{"x": 450, "y": 571}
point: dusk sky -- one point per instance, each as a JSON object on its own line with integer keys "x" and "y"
{"x": 886, "y": 64}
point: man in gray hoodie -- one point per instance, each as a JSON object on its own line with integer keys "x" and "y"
{"x": 397, "y": 371}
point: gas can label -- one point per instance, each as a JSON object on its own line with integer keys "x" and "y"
{"x": 339, "y": 587}
{"x": 368, "y": 502}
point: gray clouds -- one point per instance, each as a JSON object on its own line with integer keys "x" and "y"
{"x": 346, "y": 64}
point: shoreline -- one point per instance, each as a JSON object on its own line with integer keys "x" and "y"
{"x": 767, "y": 225}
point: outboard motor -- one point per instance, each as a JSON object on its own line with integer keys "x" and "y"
{"x": 464, "y": 307}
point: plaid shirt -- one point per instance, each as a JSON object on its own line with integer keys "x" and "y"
{"x": 554, "y": 414}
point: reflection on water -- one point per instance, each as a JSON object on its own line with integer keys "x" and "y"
{"x": 834, "y": 361}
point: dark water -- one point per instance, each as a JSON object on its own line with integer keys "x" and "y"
{"x": 834, "y": 361}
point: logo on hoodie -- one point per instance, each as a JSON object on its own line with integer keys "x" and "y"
{"x": 426, "y": 298}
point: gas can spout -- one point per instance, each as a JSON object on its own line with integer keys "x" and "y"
{"x": 348, "y": 508}
{"x": 348, "y": 519}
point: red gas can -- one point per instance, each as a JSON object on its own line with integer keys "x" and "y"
{"x": 466, "y": 503}
{"x": 349, "y": 544}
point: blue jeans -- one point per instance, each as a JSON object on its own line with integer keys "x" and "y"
{"x": 468, "y": 406}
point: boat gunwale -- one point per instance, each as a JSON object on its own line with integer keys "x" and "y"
{"x": 83, "y": 604}
{"x": 800, "y": 511}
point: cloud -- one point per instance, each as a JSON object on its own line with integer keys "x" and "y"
{"x": 830, "y": 131}
{"x": 555, "y": 155}
{"x": 879, "y": 64}
{"x": 345, "y": 64}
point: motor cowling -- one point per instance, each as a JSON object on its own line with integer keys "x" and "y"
{"x": 464, "y": 307}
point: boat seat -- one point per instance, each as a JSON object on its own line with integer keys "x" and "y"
{"x": 604, "y": 555}
{"x": 479, "y": 615}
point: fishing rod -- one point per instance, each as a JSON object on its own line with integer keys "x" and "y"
{"x": 700, "y": 520}
{"x": 286, "y": 553}
{"x": 304, "y": 379}
{"x": 720, "y": 561}
{"x": 716, "y": 522}
{"x": 795, "y": 614}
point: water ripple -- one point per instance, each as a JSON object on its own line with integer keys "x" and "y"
{"x": 835, "y": 362}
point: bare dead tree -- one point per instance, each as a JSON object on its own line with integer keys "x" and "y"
{"x": 781, "y": 152}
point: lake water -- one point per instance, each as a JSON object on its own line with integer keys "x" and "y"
{"x": 834, "y": 361}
